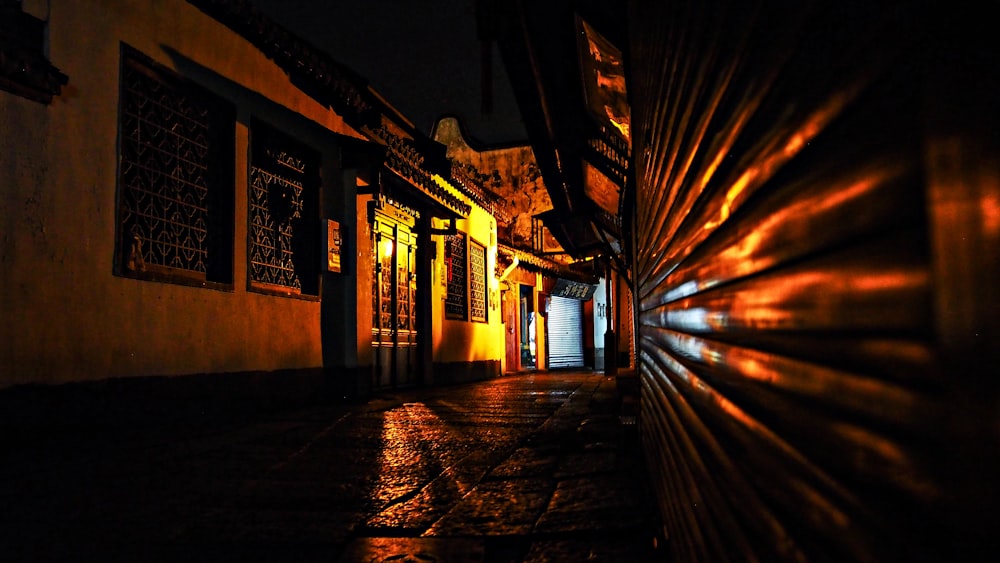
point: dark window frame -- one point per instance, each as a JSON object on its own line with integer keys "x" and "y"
{"x": 471, "y": 273}
{"x": 456, "y": 304}
{"x": 219, "y": 178}
{"x": 301, "y": 214}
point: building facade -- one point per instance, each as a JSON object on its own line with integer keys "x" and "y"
{"x": 191, "y": 190}
{"x": 543, "y": 295}
{"x": 161, "y": 212}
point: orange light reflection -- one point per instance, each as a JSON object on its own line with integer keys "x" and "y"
{"x": 772, "y": 160}
{"x": 411, "y": 455}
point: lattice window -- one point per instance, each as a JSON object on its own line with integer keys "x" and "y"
{"x": 175, "y": 177}
{"x": 477, "y": 282}
{"x": 456, "y": 302}
{"x": 283, "y": 197}
{"x": 403, "y": 309}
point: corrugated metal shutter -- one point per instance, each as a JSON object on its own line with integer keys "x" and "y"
{"x": 791, "y": 400}
{"x": 565, "y": 332}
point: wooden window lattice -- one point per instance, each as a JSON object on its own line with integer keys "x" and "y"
{"x": 271, "y": 241}
{"x": 477, "y": 282}
{"x": 283, "y": 175}
{"x": 403, "y": 310}
{"x": 173, "y": 213}
{"x": 455, "y": 305}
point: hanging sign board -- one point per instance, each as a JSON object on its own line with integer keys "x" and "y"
{"x": 573, "y": 290}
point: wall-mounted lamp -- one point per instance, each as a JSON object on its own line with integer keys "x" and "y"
{"x": 385, "y": 248}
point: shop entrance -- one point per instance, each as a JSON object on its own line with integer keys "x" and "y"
{"x": 565, "y": 332}
{"x": 527, "y": 322}
{"x": 394, "y": 329}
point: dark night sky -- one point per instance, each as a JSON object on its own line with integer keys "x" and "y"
{"x": 422, "y": 56}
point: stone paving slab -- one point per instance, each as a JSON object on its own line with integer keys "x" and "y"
{"x": 592, "y": 504}
{"x": 496, "y": 508}
{"x": 415, "y": 550}
{"x": 527, "y": 462}
{"x": 613, "y": 549}
{"x": 520, "y": 468}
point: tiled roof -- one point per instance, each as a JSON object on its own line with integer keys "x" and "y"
{"x": 331, "y": 83}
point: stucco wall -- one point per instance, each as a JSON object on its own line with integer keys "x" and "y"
{"x": 66, "y": 317}
{"x": 463, "y": 340}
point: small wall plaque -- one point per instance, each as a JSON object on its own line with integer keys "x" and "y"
{"x": 333, "y": 243}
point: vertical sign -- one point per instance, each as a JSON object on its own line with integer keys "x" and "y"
{"x": 333, "y": 242}
{"x": 604, "y": 80}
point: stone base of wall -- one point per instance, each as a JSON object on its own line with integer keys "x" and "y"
{"x": 445, "y": 373}
{"x": 29, "y": 411}
{"x": 135, "y": 404}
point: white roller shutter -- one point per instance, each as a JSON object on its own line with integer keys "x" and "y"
{"x": 565, "y": 332}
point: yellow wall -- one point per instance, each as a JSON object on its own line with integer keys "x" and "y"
{"x": 66, "y": 317}
{"x": 462, "y": 340}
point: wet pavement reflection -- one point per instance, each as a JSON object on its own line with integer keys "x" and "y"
{"x": 520, "y": 468}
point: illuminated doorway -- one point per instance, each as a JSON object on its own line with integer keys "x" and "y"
{"x": 527, "y": 326}
{"x": 394, "y": 286}
{"x": 511, "y": 302}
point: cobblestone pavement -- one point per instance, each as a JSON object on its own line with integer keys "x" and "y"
{"x": 520, "y": 468}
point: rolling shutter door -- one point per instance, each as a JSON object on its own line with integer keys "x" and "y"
{"x": 788, "y": 345}
{"x": 565, "y": 332}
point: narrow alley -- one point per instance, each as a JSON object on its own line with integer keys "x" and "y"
{"x": 519, "y": 468}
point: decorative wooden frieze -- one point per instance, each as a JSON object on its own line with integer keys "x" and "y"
{"x": 471, "y": 181}
{"x": 312, "y": 70}
{"x": 408, "y": 163}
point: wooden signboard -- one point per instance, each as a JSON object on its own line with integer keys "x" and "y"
{"x": 333, "y": 243}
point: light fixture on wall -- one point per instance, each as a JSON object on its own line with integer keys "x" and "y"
{"x": 385, "y": 248}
